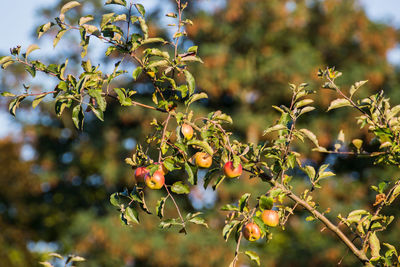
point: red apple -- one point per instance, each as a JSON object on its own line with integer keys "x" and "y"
{"x": 232, "y": 172}
{"x": 162, "y": 168}
{"x": 155, "y": 181}
{"x": 251, "y": 232}
{"x": 203, "y": 160}
{"x": 187, "y": 131}
{"x": 270, "y": 217}
{"x": 140, "y": 173}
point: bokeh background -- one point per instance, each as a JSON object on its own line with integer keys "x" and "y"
{"x": 55, "y": 182}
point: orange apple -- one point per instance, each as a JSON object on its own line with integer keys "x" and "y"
{"x": 187, "y": 131}
{"x": 203, "y": 160}
{"x": 232, "y": 172}
{"x": 270, "y": 217}
{"x": 140, "y": 173}
{"x": 155, "y": 181}
{"x": 251, "y": 231}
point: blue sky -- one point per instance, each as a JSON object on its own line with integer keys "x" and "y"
{"x": 18, "y": 21}
{"x": 19, "y": 16}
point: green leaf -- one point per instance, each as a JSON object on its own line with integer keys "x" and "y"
{"x": 228, "y": 228}
{"x": 193, "y": 49}
{"x": 53, "y": 254}
{"x": 30, "y": 49}
{"x": 68, "y": 6}
{"x": 114, "y": 199}
{"x": 46, "y": 264}
{"x": 144, "y": 27}
{"x": 58, "y": 36}
{"x": 191, "y": 82}
{"x": 356, "y": 215}
{"x": 137, "y": 72}
{"x": 266, "y": 203}
{"x": 157, "y": 52}
{"x": 275, "y": 128}
{"x": 85, "y": 19}
{"x": 395, "y": 194}
{"x": 196, "y": 97}
{"x": 61, "y": 104}
{"x": 77, "y": 258}
{"x": 310, "y": 218}
{"x": 140, "y": 8}
{"x": 253, "y": 256}
{"x": 116, "y": 2}
{"x": 153, "y": 40}
{"x": 180, "y": 188}
{"x": 223, "y": 117}
{"x": 310, "y": 171}
{"x": 14, "y": 104}
{"x": 7, "y": 94}
{"x": 101, "y": 102}
{"x": 132, "y": 215}
{"x": 310, "y": 135}
{"x": 37, "y": 100}
{"x": 31, "y": 70}
{"x": 125, "y": 101}
{"x": 304, "y": 102}
{"x": 98, "y": 112}
{"x": 340, "y": 102}
{"x": 160, "y": 207}
{"x": 305, "y": 110}
{"x": 356, "y": 86}
{"x": 168, "y": 223}
{"x": 243, "y": 201}
{"x": 189, "y": 171}
{"x": 229, "y": 207}
{"x": 5, "y": 59}
{"x": 106, "y": 18}
{"x": 218, "y": 182}
{"x": 81, "y": 84}
{"x": 202, "y": 144}
{"x": 158, "y": 63}
{"x": 324, "y": 175}
{"x": 78, "y": 117}
{"x": 374, "y": 245}
{"x": 209, "y": 175}
{"x": 43, "y": 28}
{"x": 199, "y": 220}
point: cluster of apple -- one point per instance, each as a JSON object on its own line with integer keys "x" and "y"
{"x": 201, "y": 159}
{"x": 251, "y": 231}
{"x": 155, "y": 181}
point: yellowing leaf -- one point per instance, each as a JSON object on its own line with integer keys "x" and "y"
{"x": 310, "y": 135}
{"x": 68, "y": 6}
{"x": 31, "y": 48}
{"x": 340, "y": 102}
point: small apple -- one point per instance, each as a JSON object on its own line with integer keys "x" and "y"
{"x": 203, "y": 160}
{"x": 187, "y": 131}
{"x": 155, "y": 181}
{"x": 140, "y": 173}
{"x": 232, "y": 172}
{"x": 162, "y": 168}
{"x": 270, "y": 217}
{"x": 251, "y": 232}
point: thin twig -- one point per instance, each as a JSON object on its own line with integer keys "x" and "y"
{"x": 176, "y": 206}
